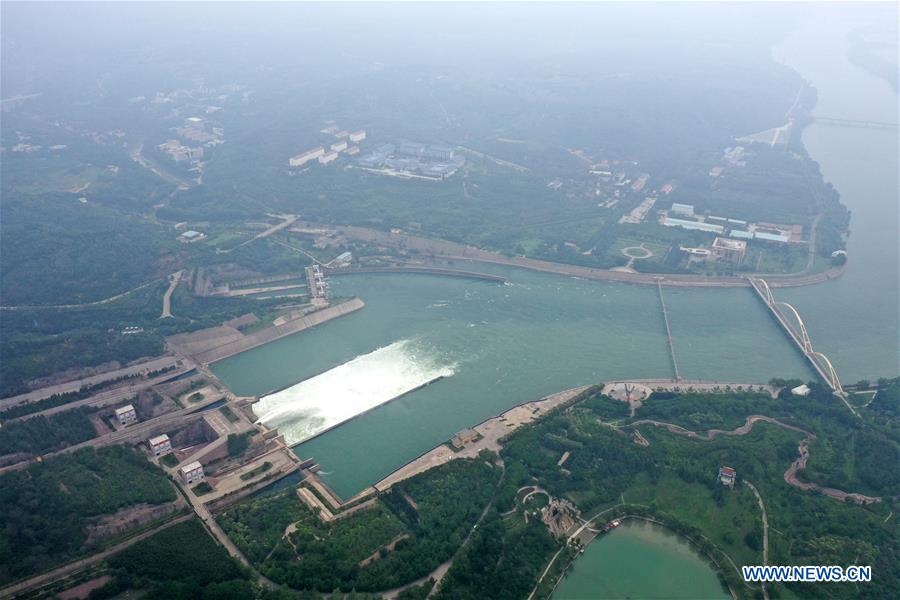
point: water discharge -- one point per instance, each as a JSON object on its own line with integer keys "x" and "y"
{"x": 304, "y": 410}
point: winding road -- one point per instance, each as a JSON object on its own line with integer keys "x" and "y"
{"x": 790, "y": 476}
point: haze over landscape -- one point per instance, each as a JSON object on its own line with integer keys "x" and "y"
{"x": 449, "y": 300}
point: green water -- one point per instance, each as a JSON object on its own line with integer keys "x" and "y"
{"x": 510, "y": 343}
{"x": 640, "y": 560}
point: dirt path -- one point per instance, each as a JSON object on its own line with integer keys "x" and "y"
{"x": 790, "y": 476}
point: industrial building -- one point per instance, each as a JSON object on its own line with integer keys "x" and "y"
{"x": 327, "y": 158}
{"x": 685, "y": 210}
{"x": 698, "y": 225}
{"x": 126, "y": 415}
{"x": 304, "y": 157}
{"x": 160, "y": 445}
{"x": 413, "y": 159}
{"x": 192, "y": 473}
{"x": 190, "y": 236}
{"x": 728, "y": 250}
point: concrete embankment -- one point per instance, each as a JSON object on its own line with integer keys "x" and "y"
{"x": 421, "y": 271}
{"x": 236, "y": 345}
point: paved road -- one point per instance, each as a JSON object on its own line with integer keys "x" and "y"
{"x": 791, "y": 475}
{"x": 136, "y": 432}
{"x": 155, "y": 364}
{"x": 174, "y": 278}
{"x": 107, "y": 397}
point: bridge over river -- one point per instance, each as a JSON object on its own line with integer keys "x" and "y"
{"x": 820, "y": 363}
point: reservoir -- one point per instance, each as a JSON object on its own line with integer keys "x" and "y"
{"x": 640, "y": 560}
{"x": 494, "y": 346}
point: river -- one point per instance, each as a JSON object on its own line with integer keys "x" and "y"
{"x": 640, "y": 560}
{"x": 854, "y": 319}
{"x": 497, "y": 345}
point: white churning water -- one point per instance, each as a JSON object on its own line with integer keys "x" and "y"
{"x": 308, "y": 408}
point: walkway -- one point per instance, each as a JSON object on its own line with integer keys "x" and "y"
{"x": 665, "y": 313}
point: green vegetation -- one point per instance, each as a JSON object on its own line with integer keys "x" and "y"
{"x": 257, "y": 471}
{"x": 202, "y": 488}
{"x": 239, "y": 442}
{"x": 181, "y": 562}
{"x": 44, "y": 509}
{"x": 673, "y": 478}
{"x": 324, "y": 557}
{"x": 503, "y": 560}
{"x": 41, "y": 434}
{"x": 169, "y": 460}
{"x": 229, "y": 414}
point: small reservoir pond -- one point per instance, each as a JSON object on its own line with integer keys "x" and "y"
{"x": 640, "y": 560}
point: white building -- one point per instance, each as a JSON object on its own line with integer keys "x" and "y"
{"x": 304, "y": 157}
{"x": 126, "y": 415}
{"x": 358, "y": 136}
{"x": 685, "y": 210}
{"x": 801, "y": 390}
{"x": 699, "y": 225}
{"x": 327, "y": 158}
{"x": 190, "y": 236}
{"x": 192, "y": 473}
{"x": 339, "y": 146}
{"x": 160, "y": 445}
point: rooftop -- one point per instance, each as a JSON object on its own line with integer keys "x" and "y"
{"x": 191, "y": 467}
{"x": 729, "y": 244}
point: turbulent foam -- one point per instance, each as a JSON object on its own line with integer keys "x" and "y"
{"x": 308, "y": 408}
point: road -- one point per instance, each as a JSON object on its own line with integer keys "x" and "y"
{"x": 287, "y": 221}
{"x": 16, "y": 589}
{"x": 107, "y": 397}
{"x": 83, "y": 304}
{"x": 162, "y": 362}
{"x": 791, "y": 475}
{"x": 136, "y": 432}
{"x": 174, "y": 278}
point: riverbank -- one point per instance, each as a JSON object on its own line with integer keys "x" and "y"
{"x": 436, "y": 249}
